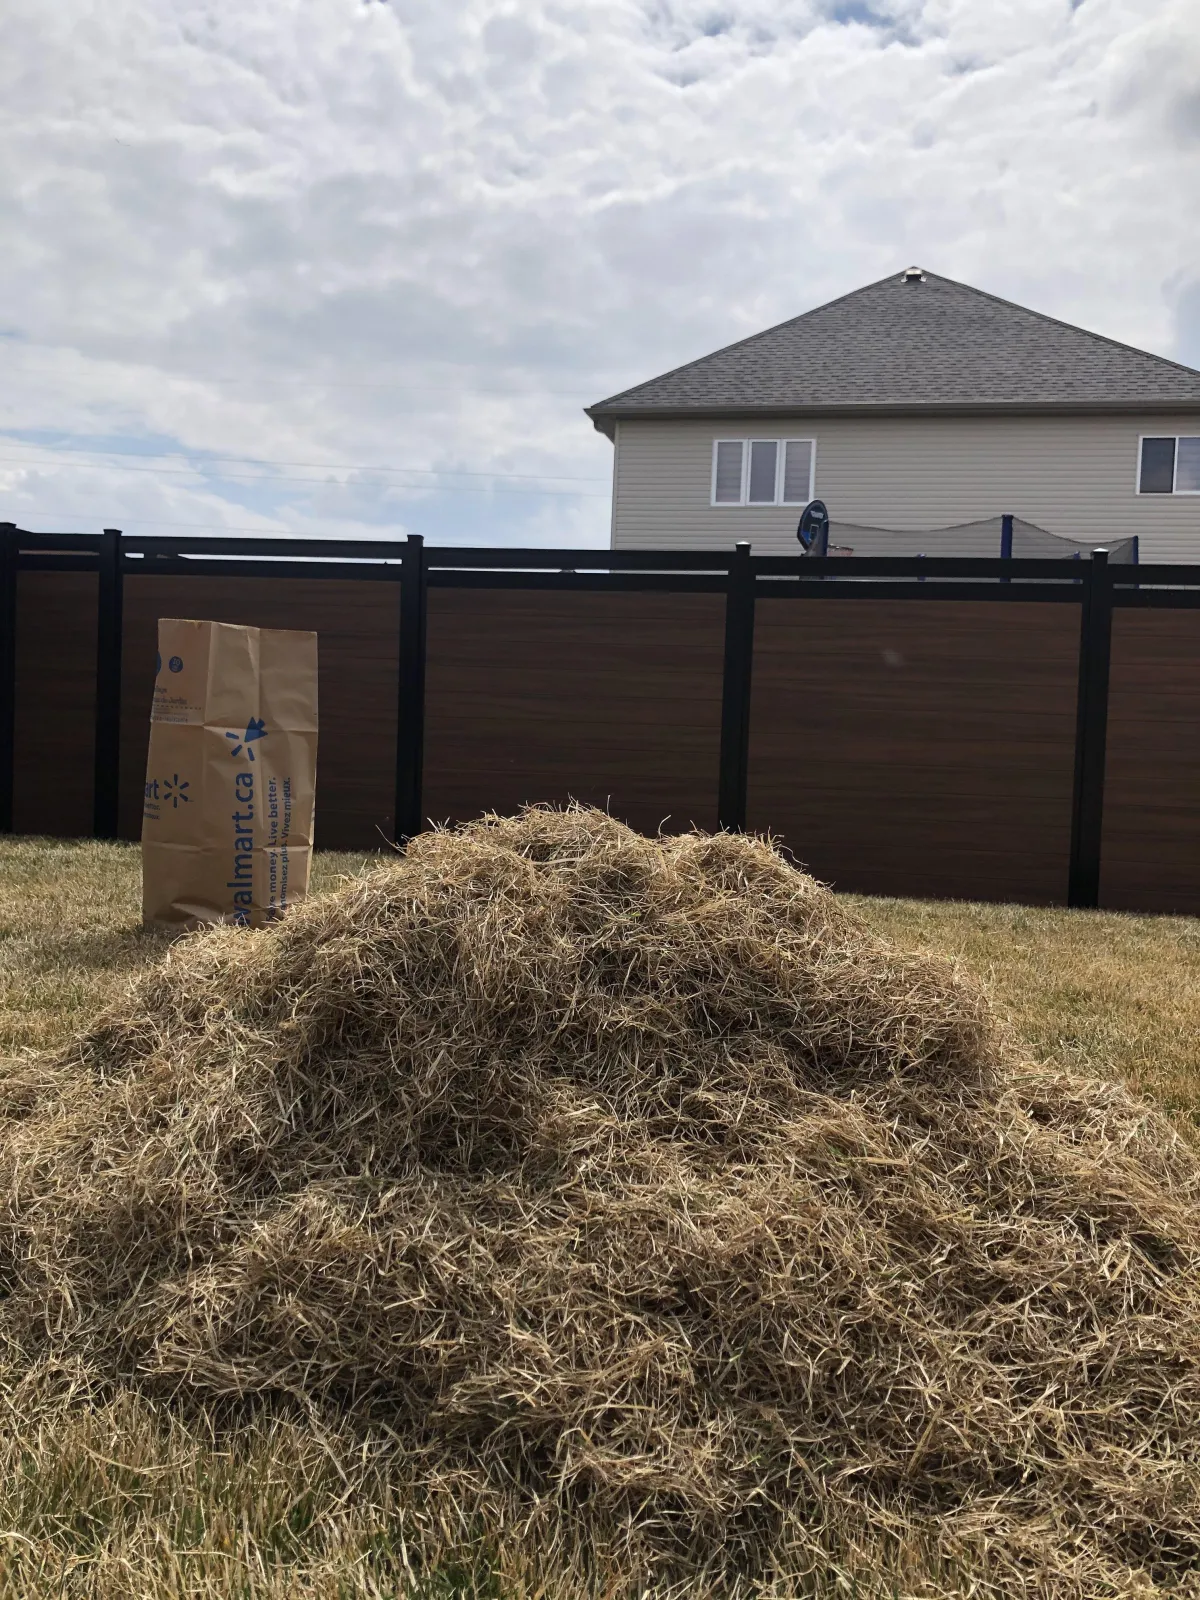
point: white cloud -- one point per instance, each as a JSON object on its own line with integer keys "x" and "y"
{"x": 357, "y": 234}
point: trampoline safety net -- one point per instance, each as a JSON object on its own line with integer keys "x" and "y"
{"x": 982, "y": 538}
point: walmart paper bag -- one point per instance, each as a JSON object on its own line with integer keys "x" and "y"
{"x": 227, "y": 823}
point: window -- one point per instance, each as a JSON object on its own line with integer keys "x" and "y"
{"x": 727, "y": 472}
{"x": 764, "y": 465}
{"x": 762, "y": 472}
{"x": 798, "y": 472}
{"x": 1170, "y": 465}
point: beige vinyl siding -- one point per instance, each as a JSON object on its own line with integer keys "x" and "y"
{"x": 1074, "y": 476}
{"x": 616, "y": 481}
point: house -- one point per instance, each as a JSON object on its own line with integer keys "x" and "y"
{"x": 914, "y": 403}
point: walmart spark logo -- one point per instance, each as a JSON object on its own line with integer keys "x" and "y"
{"x": 171, "y": 791}
{"x": 245, "y": 741}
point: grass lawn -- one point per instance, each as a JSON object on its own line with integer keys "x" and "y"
{"x": 123, "y": 1500}
{"x": 1100, "y": 992}
{"x": 1103, "y": 993}
{"x": 70, "y": 931}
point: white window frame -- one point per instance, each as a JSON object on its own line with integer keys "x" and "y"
{"x": 1151, "y": 494}
{"x": 781, "y": 444}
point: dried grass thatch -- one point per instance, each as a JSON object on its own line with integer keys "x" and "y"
{"x": 658, "y": 1214}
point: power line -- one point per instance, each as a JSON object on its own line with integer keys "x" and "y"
{"x": 220, "y": 527}
{"x": 203, "y": 460}
{"x": 310, "y": 382}
{"x": 396, "y": 386}
{"x": 358, "y": 383}
{"x": 162, "y": 522}
{"x": 288, "y": 478}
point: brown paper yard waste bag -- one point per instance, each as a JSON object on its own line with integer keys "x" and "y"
{"x": 227, "y": 823}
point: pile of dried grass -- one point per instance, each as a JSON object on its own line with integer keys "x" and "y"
{"x": 659, "y": 1215}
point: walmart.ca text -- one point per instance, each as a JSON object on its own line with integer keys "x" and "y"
{"x": 242, "y": 882}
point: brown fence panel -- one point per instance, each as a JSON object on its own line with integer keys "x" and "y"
{"x": 1150, "y": 851}
{"x": 609, "y": 699}
{"x": 903, "y": 747}
{"x": 357, "y": 623}
{"x": 54, "y": 733}
{"x": 918, "y": 748}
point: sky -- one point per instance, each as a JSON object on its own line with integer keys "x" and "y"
{"x": 352, "y": 268}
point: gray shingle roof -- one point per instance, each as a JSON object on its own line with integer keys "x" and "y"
{"x": 913, "y": 346}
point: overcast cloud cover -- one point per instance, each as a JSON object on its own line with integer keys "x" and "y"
{"x": 340, "y": 236}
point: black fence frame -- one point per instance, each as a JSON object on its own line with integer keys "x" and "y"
{"x": 1095, "y": 587}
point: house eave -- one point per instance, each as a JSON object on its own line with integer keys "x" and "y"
{"x": 604, "y": 418}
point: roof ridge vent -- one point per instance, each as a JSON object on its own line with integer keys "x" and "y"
{"x": 914, "y": 275}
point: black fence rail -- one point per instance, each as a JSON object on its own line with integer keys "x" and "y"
{"x": 746, "y": 583}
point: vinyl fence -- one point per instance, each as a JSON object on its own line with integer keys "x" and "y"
{"x": 1020, "y": 729}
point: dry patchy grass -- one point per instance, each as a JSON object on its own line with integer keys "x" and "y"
{"x": 1097, "y": 992}
{"x": 126, "y": 1498}
{"x": 1101, "y": 993}
{"x": 71, "y": 932}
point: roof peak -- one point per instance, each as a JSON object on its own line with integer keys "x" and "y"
{"x": 879, "y": 346}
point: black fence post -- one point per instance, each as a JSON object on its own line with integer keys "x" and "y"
{"x": 1091, "y": 732}
{"x": 1006, "y": 537}
{"x": 9, "y": 550}
{"x": 410, "y": 699}
{"x": 735, "y": 697}
{"x": 107, "y": 784}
